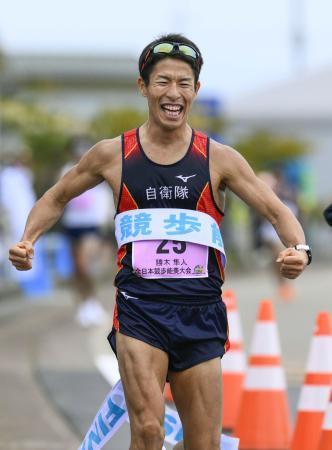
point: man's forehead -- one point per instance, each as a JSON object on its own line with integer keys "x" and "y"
{"x": 174, "y": 68}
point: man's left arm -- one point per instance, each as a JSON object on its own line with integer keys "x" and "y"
{"x": 239, "y": 177}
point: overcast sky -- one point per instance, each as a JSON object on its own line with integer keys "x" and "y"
{"x": 246, "y": 44}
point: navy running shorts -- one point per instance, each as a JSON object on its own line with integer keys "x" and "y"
{"x": 77, "y": 233}
{"x": 190, "y": 332}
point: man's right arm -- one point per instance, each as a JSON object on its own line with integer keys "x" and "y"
{"x": 49, "y": 208}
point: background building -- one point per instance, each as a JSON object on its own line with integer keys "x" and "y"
{"x": 301, "y": 108}
{"x": 77, "y": 85}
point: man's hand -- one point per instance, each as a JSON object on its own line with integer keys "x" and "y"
{"x": 292, "y": 262}
{"x": 21, "y": 255}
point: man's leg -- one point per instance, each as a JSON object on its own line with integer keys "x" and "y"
{"x": 82, "y": 278}
{"x": 143, "y": 371}
{"x": 197, "y": 395}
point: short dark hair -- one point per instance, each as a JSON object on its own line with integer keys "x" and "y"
{"x": 196, "y": 65}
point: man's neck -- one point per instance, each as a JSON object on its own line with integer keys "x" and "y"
{"x": 162, "y": 137}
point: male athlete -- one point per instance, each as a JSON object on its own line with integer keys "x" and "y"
{"x": 169, "y": 182}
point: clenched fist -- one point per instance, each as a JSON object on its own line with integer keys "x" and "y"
{"x": 21, "y": 255}
{"x": 292, "y": 262}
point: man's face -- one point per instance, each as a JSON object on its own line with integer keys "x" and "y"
{"x": 170, "y": 92}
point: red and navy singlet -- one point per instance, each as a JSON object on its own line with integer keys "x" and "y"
{"x": 185, "y": 184}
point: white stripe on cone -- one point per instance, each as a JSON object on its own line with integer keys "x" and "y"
{"x": 265, "y": 379}
{"x": 320, "y": 355}
{"x": 265, "y": 340}
{"x": 234, "y": 325}
{"x": 314, "y": 398}
{"x": 233, "y": 361}
{"x": 327, "y": 424}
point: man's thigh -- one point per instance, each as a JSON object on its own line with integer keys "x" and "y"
{"x": 143, "y": 370}
{"x": 197, "y": 395}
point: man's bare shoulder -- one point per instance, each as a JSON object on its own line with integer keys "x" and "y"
{"x": 224, "y": 158}
{"x": 221, "y": 150}
{"x": 101, "y": 155}
{"x": 106, "y": 149}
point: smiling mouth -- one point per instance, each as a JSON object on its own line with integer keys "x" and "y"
{"x": 172, "y": 111}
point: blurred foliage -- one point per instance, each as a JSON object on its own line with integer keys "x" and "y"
{"x": 2, "y": 60}
{"x": 210, "y": 125}
{"x": 264, "y": 150}
{"x": 112, "y": 123}
{"x": 45, "y": 134}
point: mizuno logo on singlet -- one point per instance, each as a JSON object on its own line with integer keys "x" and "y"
{"x": 185, "y": 179}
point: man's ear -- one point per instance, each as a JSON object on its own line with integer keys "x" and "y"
{"x": 141, "y": 86}
{"x": 198, "y": 85}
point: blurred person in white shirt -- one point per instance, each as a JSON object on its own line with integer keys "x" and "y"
{"x": 82, "y": 223}
{"x": 17, "y": 196}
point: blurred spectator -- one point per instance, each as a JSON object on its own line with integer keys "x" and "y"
{"x": 17, "y": 197}
{"x": 328, "y": 215}
{"x": 265, "y": 234}
{"x": 82, "y": 223}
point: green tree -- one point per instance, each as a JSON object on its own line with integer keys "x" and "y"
{"x": 112, "y": 123}
{"x": 2, "y": 60}
{"x": 45, "y": 134}
{"x": 263, "y": 149}
{"x": 200, "y": 120}
{"x": 209, "y": 125}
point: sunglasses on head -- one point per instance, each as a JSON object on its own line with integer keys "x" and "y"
{"x": 170, "y": 48}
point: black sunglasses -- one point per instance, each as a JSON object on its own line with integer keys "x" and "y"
{"x": 170, "y": 48}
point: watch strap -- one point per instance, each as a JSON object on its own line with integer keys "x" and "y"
{"x": 307, "y": 249}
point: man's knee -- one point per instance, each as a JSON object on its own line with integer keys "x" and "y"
{"x": 150, "y": 431}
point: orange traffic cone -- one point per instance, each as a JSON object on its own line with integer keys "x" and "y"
{"x": 326, "y": 436}
{"x": 314, "y": 396}
{"x": 264, "y": 420}
{"x": 233, "y": 364}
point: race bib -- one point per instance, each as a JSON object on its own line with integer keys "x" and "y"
{"x": 169, "y": 259}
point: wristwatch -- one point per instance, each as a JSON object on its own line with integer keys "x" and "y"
{"x": 307, "y": 249}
